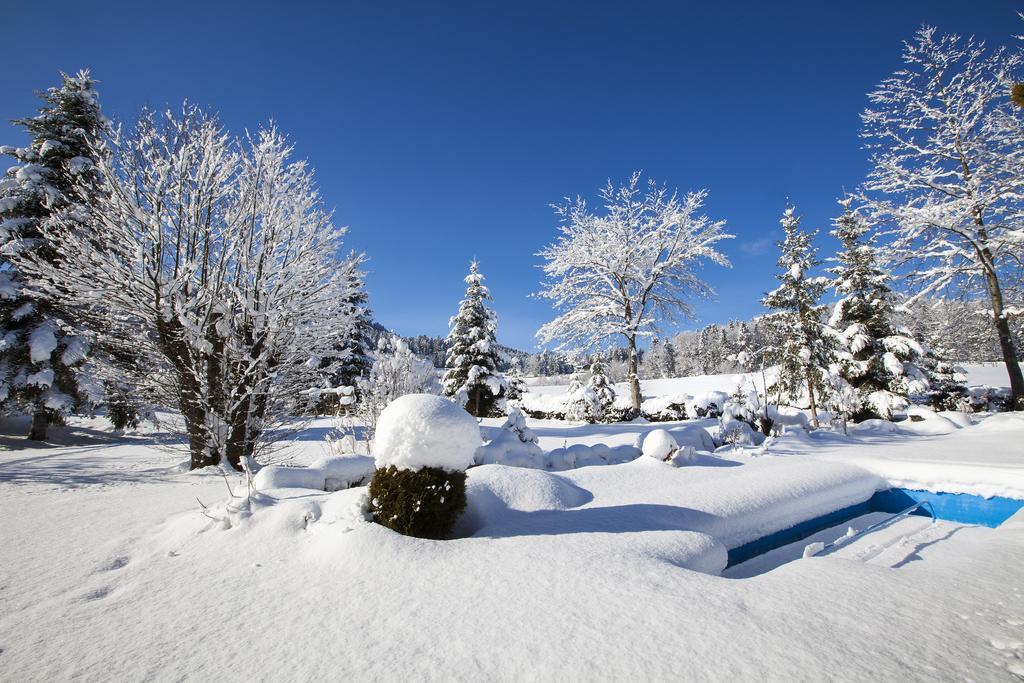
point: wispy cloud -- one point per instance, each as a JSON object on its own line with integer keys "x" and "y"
{"x": 757, "y": 247}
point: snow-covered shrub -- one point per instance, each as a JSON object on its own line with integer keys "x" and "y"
{"x": 543, "y": 406}
{"x": 660, "y": 445}
{"x": 708, "y": 404}
{"x": 424, "y": 503}
{"x": 422, "y": 447}
{"x": 736, "y": 433}
{"x": 581, "y": 403}
{"x": 513, "y": 444}
{"x": 986, "y": 398}
{"x": 742, "y": 419}
{"x": 693, "y": 435}
{"x": 669, "y": 408}
{"x": 947, "y": 388}
{"x": 687, "y": 455}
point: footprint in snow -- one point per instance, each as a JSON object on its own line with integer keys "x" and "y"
{"x": 115, "y": 564}
{"x": 97, "y": 594}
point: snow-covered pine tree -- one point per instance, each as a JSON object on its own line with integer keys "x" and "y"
{"x": 516, "y": 385}
{"x": 41, "y": 356}
{"x": 581, "y": 402}
{"x": 877, "y": 359}
{"x": 604, "y": 406}
{"x": 804, "y": 347}
{"x": 471, "y": 374}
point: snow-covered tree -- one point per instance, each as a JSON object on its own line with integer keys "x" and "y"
{"x": 624, "y": 271}
{"x": 353, "y": 357}
{"x": 218, "y": 264}
{"x": 396, "y": 371}
{"x": 42, "y": 352}
{"x": 471, "y": 374}
{"x": 581, "y": 402}
{"x": 877, "y": 359}
{"x": 604, "y": 407}
{"x": 515, "y": 384}
{"x": 948, "y": 171}
{"x": 804, "y": 346}
{"x": 947, "y": 384}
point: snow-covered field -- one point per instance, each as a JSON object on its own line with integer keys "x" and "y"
{"x": 112, "y": 571}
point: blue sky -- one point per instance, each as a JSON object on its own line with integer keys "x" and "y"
{"x": 442, "y": 131}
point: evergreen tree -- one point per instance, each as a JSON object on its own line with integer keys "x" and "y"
{"x": 471, "y": 376}
{"x": 876, "y": 359}
{"x": 804, "y": 346}
{"x": 41, "y": 356}
{"x": 604, "y": 395}
{"x": 360, "y": 343}
{"x": 516, "y": 385}
{"x": 581, "y": 402}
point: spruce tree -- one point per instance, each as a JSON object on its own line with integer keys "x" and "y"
{"x": 875, "y": 358}
{"x": 41, "y": 357}
{"x": 471, "y": 367}
{"x": 803, "y": 349}
{"x": 604, "y": 395}
{"x": 360, "y": 343}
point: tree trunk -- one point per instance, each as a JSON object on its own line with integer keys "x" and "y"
{"x": 634, "y": 376}
{"x": 814, "y": 407}
{"x": 40, "y": 423}
{"x": 995, "y": 294}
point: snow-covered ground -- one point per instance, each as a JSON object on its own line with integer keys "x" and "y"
{"x": 112, "y": 571}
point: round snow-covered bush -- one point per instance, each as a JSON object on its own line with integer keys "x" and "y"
{"x": 423, "y": 430}
{"x": 660, "y": 445}
{"x": 422, "y": 447}
{"x": 424, "y": 503}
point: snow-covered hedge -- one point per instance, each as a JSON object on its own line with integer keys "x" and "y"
{"x": 682, "y": 406}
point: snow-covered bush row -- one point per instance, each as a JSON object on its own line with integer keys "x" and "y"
{"x": 326, "y": 474}
{"x": 667, "y": 408}
{"x": 985, "y": 398}
{"x": 682, "y": 406}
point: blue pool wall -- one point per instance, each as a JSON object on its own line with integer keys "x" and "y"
{"x": 962, "y": 508}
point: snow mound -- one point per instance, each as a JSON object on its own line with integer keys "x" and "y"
{"x": 659, "y": 444}
{"x": 423, "y": 430}
{"x": 581, "y": 455}
{"x": 326, "y": 474}
{"x": 874, "y": 426}
{"x": 957, "y": 417}
{"x": 525, "y": 490}
{"x": 493, "y": 490}
{"x": 505, "y": 448}
{"x": 693, "y": 435}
